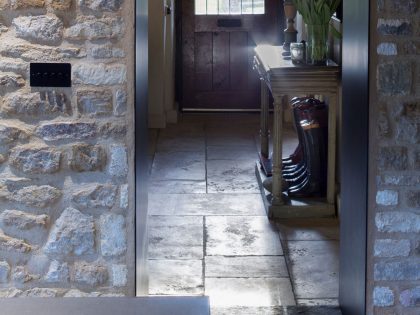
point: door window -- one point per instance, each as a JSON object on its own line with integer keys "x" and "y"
{"x": 229, "y": 7}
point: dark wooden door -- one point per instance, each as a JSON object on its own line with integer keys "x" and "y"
{"x": 218, "y": 37}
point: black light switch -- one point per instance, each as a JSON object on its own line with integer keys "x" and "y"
{"x": 50, "y": 74}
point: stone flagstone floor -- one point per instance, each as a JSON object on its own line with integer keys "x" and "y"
{"x": 208, "y": 232}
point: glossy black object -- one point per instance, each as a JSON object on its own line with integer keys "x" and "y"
{"x": 50, "y": 74}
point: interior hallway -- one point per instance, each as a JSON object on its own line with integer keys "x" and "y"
{"x": 209, "y": 233}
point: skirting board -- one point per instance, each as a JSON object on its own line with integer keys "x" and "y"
{"x": 106, "y": 306}
{"x": 293, "y": 208}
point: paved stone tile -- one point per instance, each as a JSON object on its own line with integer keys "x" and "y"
{"x": 231, "y": 176}
{"x": 181, "y": 143}
{"x": 228, "y": 138}
{"x": 246, "y": 267}
{"x": 175, "y": 237}
{"x": 179, "y": 165}
{"x": 241, "y": 236}
{"x": 176, "y": 277}
{"x": 177, "y": 187}
{"x": 276, "y": 310}
{"x": 206, "y": 204}
{"x": 249, "y": 292}
{"x": 314, "y": 268}
{"x": 248, "y": 310}
{"x": 309, "y": 229}
{"x": 223, "y": 152}
{"x": 318, "y": 302}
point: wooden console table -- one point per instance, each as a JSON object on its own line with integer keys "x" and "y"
{"x": 282, "y": 78}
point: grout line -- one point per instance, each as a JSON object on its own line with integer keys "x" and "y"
{"x": 206, "y": 157}
{"x": 204, "y": 254}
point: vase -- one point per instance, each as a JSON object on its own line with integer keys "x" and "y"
{"x": 317, "y": 44}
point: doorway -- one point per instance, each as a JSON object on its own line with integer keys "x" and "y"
{"x": 216, "y": 51}
{"x": 353, "y": 228}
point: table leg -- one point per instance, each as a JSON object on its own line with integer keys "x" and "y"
{"x": 332, "y": 121}
{"x": 277, "y": 149}
{"x": 264, "y": 133}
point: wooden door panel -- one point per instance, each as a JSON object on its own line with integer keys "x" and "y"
{"x": 217, "y": 60}
{"x": 203, "y": 61}
{"x": 239, "y": 54}
{"x": 221, "y": 52}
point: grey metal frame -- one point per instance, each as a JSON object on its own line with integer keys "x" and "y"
{"x": 141, "y": 142}
{"x": 354, "y": 157}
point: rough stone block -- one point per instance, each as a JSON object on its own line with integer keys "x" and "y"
{"x": 94, "y": 102}
{"x": 120, "y": 103}
{"x": 119, "y": 275}
{"x": 35, "y": 160}
{"x": 395, "y": 78}
{"x": 417, "y": 160}
{"x": 101, "y": 5}
{"x": 113, "y": 238}
{"x": 106, "y": 51}
{"x": 67, "y": 130}
{"x": 72, "y": 233}
{"x": 404, "y": 6}
{"x": 90, "y": 274}
{"x": 57, "y": 272}
{"x": 23, "y": 220}
{"x": 4, "y": 271}
{"x": 38, "y": 196}
{"x": 60, "y": 5}
{"x": 41, "y": 292}
{"x": 394, "y": 27}
{"x": 25, "y": 4}
{"x": 387, "y": 198}
{"x": 11, "y": 244}
{"x": 90, "y": 28}
{"x": 393, "y": 158}
{"x": 30, "y": 105}
{"x": 118, "y": 165}
{"x": 74, "y": 293}
{"x": 383, "y": 296}
{"x": 413, "y": 199}
{"x": 100, "y": 74}
{"x": 410, "y": 47}
{"x": 393, "y": 221}
{"x": 383, "y": 128}
{"x": 392, "y": 248}
{"x": 21, "y": 275}
{"x": 95, "y": 196}
{"x": 10, "y": 133}
{"x": 399, "y": 270}
{"x": 4, "y": 4}
{"x": 10, "y": 293}
{"x": 399, "y": 180}
{"x": 37, "y": 53}
{"x": 387, "y": 49}
{"x": 124, "y": 196}
{"x": 407, "y": 130}
{"x": 11, "y": 80}
{"x": 87, "y": 158}
{"x": 116, "y": 130}
{"x": 47, "y": 29}
{"x": 410, "y": 298}
{"x": 12, "y": 65}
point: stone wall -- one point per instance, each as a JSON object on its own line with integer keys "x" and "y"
{"x": 66, "y": 154}
{"x": 394, "y": 216}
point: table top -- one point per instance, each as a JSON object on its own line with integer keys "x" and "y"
{"x": 270, "y": 57}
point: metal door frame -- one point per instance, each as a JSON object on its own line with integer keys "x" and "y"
{"x": 354, "y": 153}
